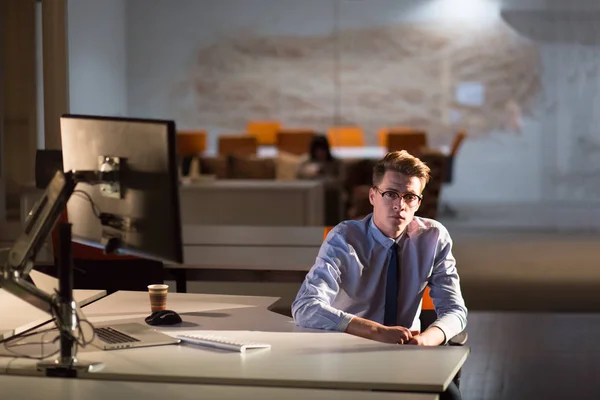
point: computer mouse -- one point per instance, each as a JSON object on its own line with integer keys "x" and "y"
{"x": 163, "y": 317}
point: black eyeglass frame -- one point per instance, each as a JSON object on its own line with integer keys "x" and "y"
{"x": 382, "y": 193}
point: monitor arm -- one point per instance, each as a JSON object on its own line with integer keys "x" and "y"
{"x": 21, "y": 256}
{"x": 16, "y": 264}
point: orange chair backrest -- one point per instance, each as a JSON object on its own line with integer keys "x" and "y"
{"x": 264, "y": 131}
{"x": 413, "y": 142}
{"x": 326, "y": 231}
{"x": 427, "y": 301}
{"x": 458, "y": 139}
{"x": 345, "y": 136}
{"x": 384, "y": 132}
{"x": 295, "y": 141}
{"x": 191, "y": 143}
{"x": 238, "y": 144}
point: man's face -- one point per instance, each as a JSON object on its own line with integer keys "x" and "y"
{"x": 394, "y": 202}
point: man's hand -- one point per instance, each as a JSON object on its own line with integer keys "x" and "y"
{"x": 395, "y": 334}
{"x": 375, "y": 331}
{"x": 432, "y": 336}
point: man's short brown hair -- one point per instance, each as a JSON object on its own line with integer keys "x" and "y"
{"x": 403, "y": 162}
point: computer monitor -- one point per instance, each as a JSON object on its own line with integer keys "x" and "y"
{"x": 141, "y": 215}
{"x": 119, "y": 184}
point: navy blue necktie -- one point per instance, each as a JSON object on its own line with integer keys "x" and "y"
{"x": 390, "y": 317}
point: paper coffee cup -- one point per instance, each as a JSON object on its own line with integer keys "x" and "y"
{"x": 158, "y": 296}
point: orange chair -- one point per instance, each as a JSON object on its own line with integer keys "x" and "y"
{"x": 428, "y": 316}
{"x": 456, "y": 143}
{"x": 190, "y": 144}
{"x": 264, "y": 131}
{"x": 294, "y": 141}
{"x": 458, "y": 139}
{"x": 384, "y": 132}
{"x": 345, "y": 136}
{"x": 413, "y": 141}
{"x": 447, "y": 209}
{"x": 238, "y": 144}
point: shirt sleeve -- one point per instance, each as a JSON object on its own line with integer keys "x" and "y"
{"x": 445, "y": 290}
{"x": 312, "y": 307}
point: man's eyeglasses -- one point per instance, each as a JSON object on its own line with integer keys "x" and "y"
{"x": 410, "y": 199}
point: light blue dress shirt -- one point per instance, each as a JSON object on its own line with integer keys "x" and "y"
{"x": 348, "y": 277}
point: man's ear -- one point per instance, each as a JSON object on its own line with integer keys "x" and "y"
{"x": 419, "y": 205}
{"x": 372, "y": 196}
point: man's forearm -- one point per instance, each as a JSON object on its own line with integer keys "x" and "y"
{"x": 375, "y": 331}
{"x": 314, "y": 314}
{"x": 363, "y": 327}
{"x": 433, "y": 336}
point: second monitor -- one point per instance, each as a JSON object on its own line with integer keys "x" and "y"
{"x": 139, "y": 216}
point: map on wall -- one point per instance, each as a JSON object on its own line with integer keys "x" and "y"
{"x": 441, "y": 78}
{"x": 569, "y": 106}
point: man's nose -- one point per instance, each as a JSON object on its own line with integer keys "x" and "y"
{"x": 399, "y": 203}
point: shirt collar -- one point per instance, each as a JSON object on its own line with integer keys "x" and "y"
{"x": 386, "y": 241}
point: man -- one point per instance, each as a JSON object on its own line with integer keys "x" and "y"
{"x": 369, "y": 276}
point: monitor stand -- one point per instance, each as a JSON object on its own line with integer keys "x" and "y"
{"x": 20, "y": 259}
{"x": 66, "y": 365}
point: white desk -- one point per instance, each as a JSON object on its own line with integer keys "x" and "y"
{"x": 35, "y": 388}
{"x": 250, "y": 247}
{"x": 298, "y": 358}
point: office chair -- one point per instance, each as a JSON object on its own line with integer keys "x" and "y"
{"x": 428, "y": 316}
{"x": 447, "y": 209}
{"x": 264, "y": 131}
{"x": 346, "y": 136}
{"x": 190, "y": 144}
{"x": 241, "y": 144}
{"x": 294, "y": 141}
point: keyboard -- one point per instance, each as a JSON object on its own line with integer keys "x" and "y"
{"x": 112, "y": 336}
{"x": 221, "y": 342}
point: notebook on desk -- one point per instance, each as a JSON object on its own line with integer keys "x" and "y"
{"x": 107, "y": 336}
{"x": 115, "y": 336}
{"x": 110, "y": 336}
{"x": 129, "y": 335}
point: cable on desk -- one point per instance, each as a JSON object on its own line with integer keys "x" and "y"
{"x": 79, "y": 339}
